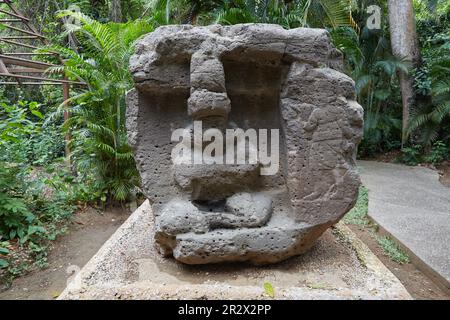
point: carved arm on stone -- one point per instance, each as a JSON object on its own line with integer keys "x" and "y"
{"x": 311, "y": 125}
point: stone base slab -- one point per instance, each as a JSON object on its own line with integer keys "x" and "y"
{"x": 128, "y": 266}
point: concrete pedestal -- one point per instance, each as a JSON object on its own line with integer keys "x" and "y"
{"x": 128, "y": 266}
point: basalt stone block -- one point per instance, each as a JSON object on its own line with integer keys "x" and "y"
{"x": 249, "y": 76}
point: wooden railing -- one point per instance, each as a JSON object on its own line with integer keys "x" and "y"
{"x": 18, "y": 65}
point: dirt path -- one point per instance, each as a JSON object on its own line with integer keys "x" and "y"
{"x": 86, "y": 235}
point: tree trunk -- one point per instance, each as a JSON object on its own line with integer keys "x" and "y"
{"x": 115, "y": 11}
{"x": 404, "y": 45}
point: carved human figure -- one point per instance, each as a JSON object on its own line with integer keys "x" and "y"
{"x": 206, "y": 81}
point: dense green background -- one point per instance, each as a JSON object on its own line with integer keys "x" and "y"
{"x": 39, "y": 190}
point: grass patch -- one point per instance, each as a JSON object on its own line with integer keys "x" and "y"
{"x": 392, "y": 250}
{"x": 358, "y": 215}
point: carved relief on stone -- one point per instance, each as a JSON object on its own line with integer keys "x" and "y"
{"x": 244, "y": 76}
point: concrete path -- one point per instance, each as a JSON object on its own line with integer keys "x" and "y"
{"x": 412, "y": 206}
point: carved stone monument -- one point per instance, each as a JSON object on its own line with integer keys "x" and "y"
{"x": 252, "y": 76}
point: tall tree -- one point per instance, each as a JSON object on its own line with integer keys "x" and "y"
{"x": 115, "y": 11}
{"x": 404, "y": 45}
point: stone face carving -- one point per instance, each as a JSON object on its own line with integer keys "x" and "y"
{"x": 246, "y": 76}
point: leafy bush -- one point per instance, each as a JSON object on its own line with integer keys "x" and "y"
{"x": 411, "y": 156}
{"x": 415, "y": 154}
{"x": 289, "y": 14}
{"x": 431, "y": 119}
{"x": 3, "y": 252}
{"x": 23, "y": 137}
{"x": 15, "y": 217}
{"x": 31, "y": 212}
{"x": 438, "y": 153}
{"x": 46, "y": 146}
{"x": 81, "y": 189}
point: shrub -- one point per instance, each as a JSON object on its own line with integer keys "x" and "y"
{"x": 438, "y": 153}
{"x": 31, "y": 211}
{"x": 411, "y": 156}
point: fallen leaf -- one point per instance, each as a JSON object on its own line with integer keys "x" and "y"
{"x": 268, "y": 288}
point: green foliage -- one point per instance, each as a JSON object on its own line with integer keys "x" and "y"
{"x": 432, "y": 80}
{"x": 16, "y": 219}
{"x": 268, "y": 288}
{"x": 45, "y": 146}
{"x": 3, "y": 252}
{"x": 326, "y": 13}
{"x": 41, "y": 11}
{"x": 358, "y": 215}
{"x": 422, "y": 81}
{"x": 100, "y": 151}
{"x": 31, "y": 213}
{"x": 20, "y": 193}
{"x": 412, "y": 155}
{"x": 392, "y": 250}
{"x": 15, "y": 216}
{"x": 369, "y": 61}
{"x": 438, "y": 153}
{"x": 24, "y": 139}
{"x": 289, "y": 14}
{"x": 75, "y": 189}
{"x": 431, "y": 119}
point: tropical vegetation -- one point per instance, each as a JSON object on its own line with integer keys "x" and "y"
{"x": 40, "y": 187}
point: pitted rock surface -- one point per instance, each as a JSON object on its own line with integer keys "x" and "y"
{"x": 246, "y": 76}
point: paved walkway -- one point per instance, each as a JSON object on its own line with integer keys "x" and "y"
{"x": 413, "y": 207}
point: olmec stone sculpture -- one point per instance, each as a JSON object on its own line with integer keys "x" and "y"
{"x": 247, "y": 76}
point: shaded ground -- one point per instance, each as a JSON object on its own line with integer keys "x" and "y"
{"x": 87, "y": 233}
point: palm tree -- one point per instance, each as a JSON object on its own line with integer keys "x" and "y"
{"x": 431, "y": 118}
{"x": 99, "y": 143}
{"x": 369, "y": 61}
{"x": 326, "y": 13}
{"x": 288, "y": 13}
{"x": 404, "y": 45}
